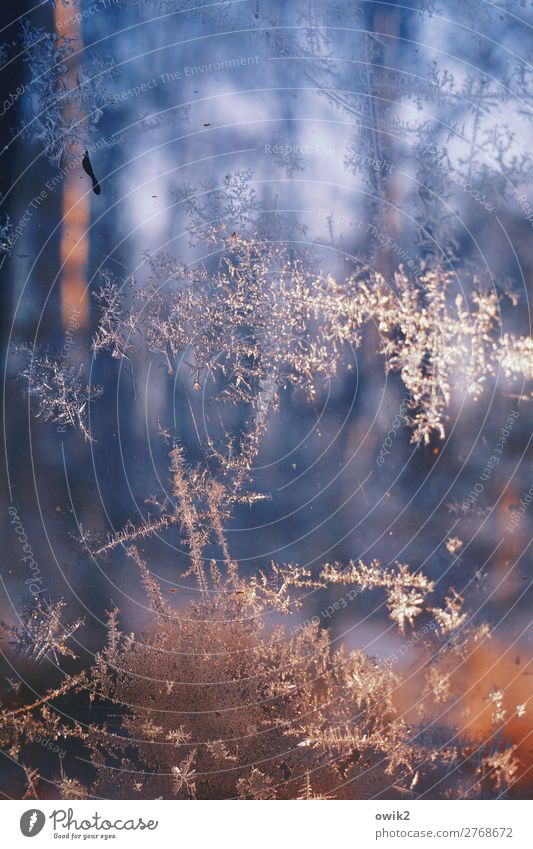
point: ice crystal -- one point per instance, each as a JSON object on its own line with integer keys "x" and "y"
{"x": 65, "y": 104}
{"x": 220, "y": 700}
{"x": 58, "y": 390}
{"x": 43, "y": 632}
{"x": 263, "y": 319}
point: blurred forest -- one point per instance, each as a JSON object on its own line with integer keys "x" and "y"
{"x": 266, "y": 332}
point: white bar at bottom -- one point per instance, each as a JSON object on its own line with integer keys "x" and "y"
{"x": 269, "y": 824}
